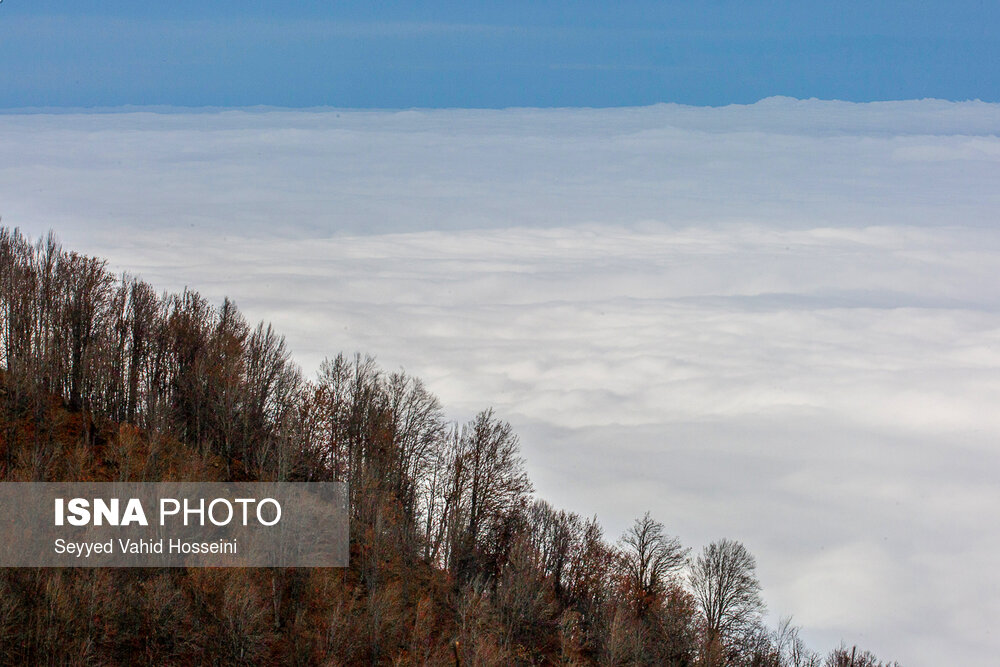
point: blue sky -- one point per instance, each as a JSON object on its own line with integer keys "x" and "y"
{"x": 471, "y": 54}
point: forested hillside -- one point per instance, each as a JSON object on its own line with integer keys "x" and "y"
{"x": 454, "y": 560}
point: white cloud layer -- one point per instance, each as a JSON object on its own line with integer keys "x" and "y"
{"x": 778, "y": 323}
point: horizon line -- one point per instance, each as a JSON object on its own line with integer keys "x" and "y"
{"x": 213, "y": 108}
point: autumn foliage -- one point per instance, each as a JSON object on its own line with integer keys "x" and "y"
{"x": 453, "y": 559}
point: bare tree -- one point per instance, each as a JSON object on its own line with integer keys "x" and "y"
{"x": 588, "y": 572}
{"x": 791, "y": 649}
{"x": 649, "y": 557}
{"x": 724, "y": 581}
{"x": 842, "y": 657}
{"x": 490, "y": 483}
{"x": 101, "y": 378}
{"x": 85, "y": 284}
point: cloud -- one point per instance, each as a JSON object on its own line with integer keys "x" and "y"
{"x": 778, "y": 323}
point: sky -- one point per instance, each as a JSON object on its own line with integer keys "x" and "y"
{"x": 777, "y": 323}
{"x": 63, "y": 53}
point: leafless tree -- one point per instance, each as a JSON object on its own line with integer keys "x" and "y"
{"x": 853, "y": 657}
{"x": 649, "y": 557}
{"x": 488, "y": 484}
{"x": 791, "y": 649}
{"x": 101, "y": 378}
{"x": 725, "y": 585}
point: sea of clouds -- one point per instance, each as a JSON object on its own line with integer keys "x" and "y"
{"x": 778, "y": 323}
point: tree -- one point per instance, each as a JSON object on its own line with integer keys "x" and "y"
{"x": 451, "y": 559}
{"x": 791, "y": 649}
{"x": 725, "y": 585}
{"x": 649, "y": 556}
{"x": 842, "y": 657}
{"x": 490, "y": 484}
